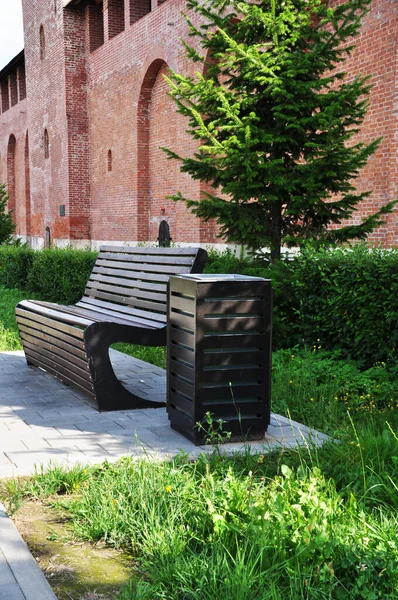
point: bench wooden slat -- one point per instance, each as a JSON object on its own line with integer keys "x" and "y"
{"x": 122, "y": 296}
{"x": 48, "y": 334}
{"x": 76, "y": 358}
{"x": 145, "y": 268}
{"x": 35, "y": 317}
{"x": 170, "y": 261}
{"x": 137, "y": 316}
{"x": 57, "y": 370}
{"x": 152, "y": 278}
{"x": 145, "y": 250}
{"x": 140, "y": 290}
{"x": 69, "y": 364}
{"x": 49, "y": 310}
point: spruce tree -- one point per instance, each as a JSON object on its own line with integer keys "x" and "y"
{"x": 276, "y": 116}
{"x": 7, "y": 225}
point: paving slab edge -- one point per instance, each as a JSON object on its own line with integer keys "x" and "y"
{"x": 26, "y": 571}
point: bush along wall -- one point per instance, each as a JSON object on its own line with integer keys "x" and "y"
{"x": 348, "y": 299}
{"x": 57, "y": 275}
{"x": 60, "y": 275}
{"x": 342, "y": 299}
{"x": 15, "y": 265}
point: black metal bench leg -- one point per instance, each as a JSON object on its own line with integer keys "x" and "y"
{"x": 109, "y": 391}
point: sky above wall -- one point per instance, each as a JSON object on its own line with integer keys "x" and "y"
{"x": 11, "y": 30}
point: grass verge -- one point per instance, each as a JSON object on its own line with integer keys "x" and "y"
{"x": 310, "y": 524}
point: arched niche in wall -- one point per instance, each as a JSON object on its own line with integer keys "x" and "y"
{"x": 156, "y": 128}
{"x": 11, "y": 174}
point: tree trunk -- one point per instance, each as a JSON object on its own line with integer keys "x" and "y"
{"x": 276, "y": 233}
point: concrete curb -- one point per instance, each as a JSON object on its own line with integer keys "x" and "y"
{"x": 20, "y": 576}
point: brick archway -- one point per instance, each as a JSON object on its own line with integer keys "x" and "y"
{"x": 157, "y": 176}
{"x": 143, "y": 135}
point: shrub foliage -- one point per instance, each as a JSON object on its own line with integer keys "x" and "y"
{"x": 343, "y": 299}
{"x": 57, "y": 275}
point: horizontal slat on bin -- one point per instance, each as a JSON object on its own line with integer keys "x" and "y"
{"x": 232, "y": 358}
{"x": 244, "y": 405}
{"x": 232, "y": 306}
{"x": 185, "y": 304}
{"x": 182, "y": 320}
{"x": 183, "y": 336}
{"x": 231, "y": 375}
{"x": 228, "y": 341}
{"x": 245, "y": 325}
{"x": 180, "y": 421}
{"x": 182, "y": 403}
{"x": 182, "y": 386}
{"x": 229, "y": 392}
{"x": 182, "y": 353}
{"x": 179, "y": 369}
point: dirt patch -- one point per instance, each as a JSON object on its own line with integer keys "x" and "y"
{"x": 75, "y": 570}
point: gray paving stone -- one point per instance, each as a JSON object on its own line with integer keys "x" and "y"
{"x": 6, "y": 576}
{"x": 12, "y": 591}
{"x": 57, "y": 421}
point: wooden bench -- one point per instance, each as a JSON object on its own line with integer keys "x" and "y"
{"x": 125, "y": 301}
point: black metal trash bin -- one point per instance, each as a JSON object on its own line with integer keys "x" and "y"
{"x": 219, "y": 354}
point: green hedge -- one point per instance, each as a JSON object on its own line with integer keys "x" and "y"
{"x": 60, "y": 275}
{"x": 348, "y": 299}
{"x": 57, "y": 275}
{"x": 340, "y": 299}
{"x": 15, "y": 264}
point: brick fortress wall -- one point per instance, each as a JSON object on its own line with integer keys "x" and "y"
{"x": 376, "y": 54}
{"x": 99, "y": 93}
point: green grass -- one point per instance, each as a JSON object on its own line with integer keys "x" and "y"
{"x": 250, "y": 527}
{"x": 292, "y": 525}
{"x": 9, "y": 338}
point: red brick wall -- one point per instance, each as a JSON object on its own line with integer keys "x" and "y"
{"x": 12, "y": 160}
{"x": 100, "y": 89}
{"x": 45, "y": 86}
{"x": 131, "y": 114}
{"x": 123, "y": 66}
{"x": 376, "y": 54}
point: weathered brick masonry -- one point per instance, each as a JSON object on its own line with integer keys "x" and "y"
{"x": 85, "y": 108}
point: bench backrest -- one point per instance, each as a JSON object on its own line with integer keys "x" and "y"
{"x": 135, "y": 279}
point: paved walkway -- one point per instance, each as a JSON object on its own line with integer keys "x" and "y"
{"x": 43, "y": 421}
